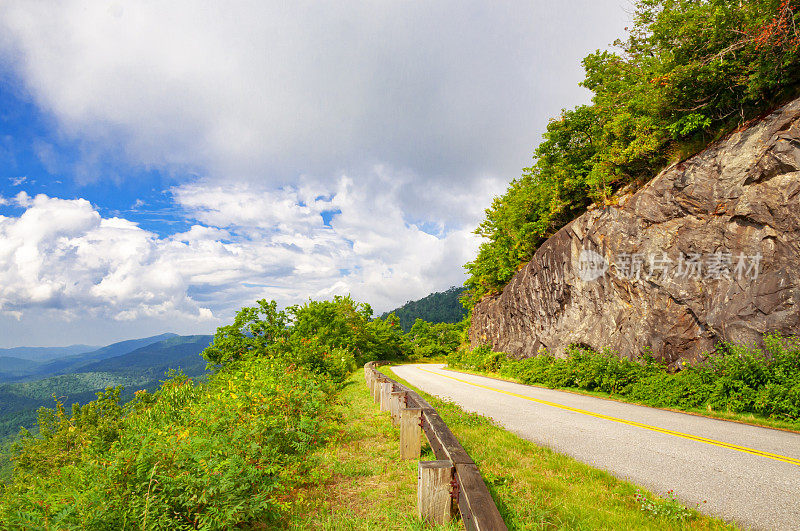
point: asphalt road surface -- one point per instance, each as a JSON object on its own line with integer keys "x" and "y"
{"x": 744, "y": 473}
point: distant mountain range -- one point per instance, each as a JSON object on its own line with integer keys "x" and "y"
{"x": 441, "y": 307}
{"x": 16, "y": 369}
{"x": 26, "y": 385}
{"x": 44, "y": 353}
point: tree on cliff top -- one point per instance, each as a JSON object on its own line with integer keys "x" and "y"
{"x": 688, "y": 72}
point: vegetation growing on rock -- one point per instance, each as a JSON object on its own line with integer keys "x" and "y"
{"x": 688, "y": 72}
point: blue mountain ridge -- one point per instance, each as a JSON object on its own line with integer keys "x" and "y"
{"x": 134, "y": 364}
{"x": 67, "y": 364}
{"x": 42, "y": 354}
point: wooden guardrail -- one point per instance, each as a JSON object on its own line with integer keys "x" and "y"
{"x": 453, "y": 479}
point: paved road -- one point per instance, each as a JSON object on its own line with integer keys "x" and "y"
{"x": 745, "y": 473}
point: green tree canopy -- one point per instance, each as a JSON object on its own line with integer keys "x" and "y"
{"x": 330, "y": 337}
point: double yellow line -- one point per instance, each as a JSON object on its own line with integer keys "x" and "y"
{"x": 714, "y": 442}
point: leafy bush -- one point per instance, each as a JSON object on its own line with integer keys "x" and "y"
{"x": 258, "y": 330}
{"x": 430, "y": 340}
{"x": 736, "y": 378}
{"x": 210, "y": 455}
{"x": 187, "y": 456}
{"x": 688, "y": 72}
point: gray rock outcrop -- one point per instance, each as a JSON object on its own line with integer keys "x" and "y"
{"x": 707, "y": 251}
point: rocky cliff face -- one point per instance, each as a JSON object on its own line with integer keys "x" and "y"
{"x": 709, "y": 250}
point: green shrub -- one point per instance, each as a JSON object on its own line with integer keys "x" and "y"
{"x": 187, "y": 456}
{"x": 327, "y": 337}
{"x": 428, "y": 340}
{"x": 218, "y": 454}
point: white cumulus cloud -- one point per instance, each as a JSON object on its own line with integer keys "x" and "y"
{"x": 61, "y": 256}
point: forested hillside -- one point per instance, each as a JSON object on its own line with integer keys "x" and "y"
{"x": 688, "y": 73}
{"x": 55, "y": 365}
{"x": 440, "y": 307}
{"x": 134, "y": 365}
{"x": 13, "y": 368}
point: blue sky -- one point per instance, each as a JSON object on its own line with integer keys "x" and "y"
{"x": 36, "y": 159}
{"x": 162, "y": 165}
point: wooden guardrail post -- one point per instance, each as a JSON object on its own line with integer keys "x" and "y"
{"x": 376, "y": 385}
{"x": 410, "y": 420}
{"x": 397, "y": 399}
{"x": 376, "y": 389}
{"x": 478, "y": 509}
{"x": 386, "y": 388}
{"x": 434, "y": 491}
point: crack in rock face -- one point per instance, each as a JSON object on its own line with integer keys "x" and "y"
{"x": 707, "y": 251}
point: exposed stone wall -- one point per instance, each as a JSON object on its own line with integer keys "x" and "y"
{"x": 741, "y": 196}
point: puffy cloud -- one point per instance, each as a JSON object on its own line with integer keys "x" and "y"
{"x": 63, "y": 257}
{"x": 394, "y": 260}
{"x": 367, "y": 246}
{"x": 246, "y": 205}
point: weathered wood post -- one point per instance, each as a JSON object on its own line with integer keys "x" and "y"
{"x": 410, "y": 420}
{"x": 376, "y": 390}
{"x": 397, "y": 399}
{"x": 386, "y": 388}
{"x": 434, "y": 492}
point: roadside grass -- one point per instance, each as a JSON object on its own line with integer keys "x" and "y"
{"x": 362, "y": 484}
{"x": 537, "y": 488}
{"x": 743, "y": 418}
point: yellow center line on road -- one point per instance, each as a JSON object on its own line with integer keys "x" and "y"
{"x": 777, "y": 457}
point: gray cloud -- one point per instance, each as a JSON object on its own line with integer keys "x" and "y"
{"x": 449, "y": 91}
